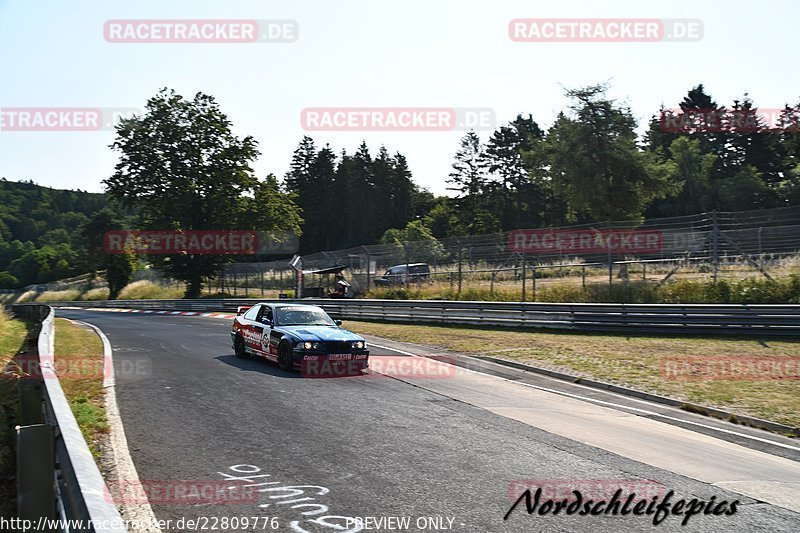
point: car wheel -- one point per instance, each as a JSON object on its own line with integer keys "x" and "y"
{"x": 285, "y": 357}
{"x": 238, "y": 347}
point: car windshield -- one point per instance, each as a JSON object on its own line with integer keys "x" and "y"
{"x": 302, "y": 316}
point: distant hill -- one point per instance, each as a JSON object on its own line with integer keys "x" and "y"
{"x": 40, "y": 232}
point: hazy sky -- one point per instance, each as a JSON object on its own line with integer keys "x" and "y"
{"x": 431, "y": 53}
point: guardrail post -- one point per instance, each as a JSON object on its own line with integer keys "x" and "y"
{"x": 30, "y": 401}
{"x": 36, "y": 494}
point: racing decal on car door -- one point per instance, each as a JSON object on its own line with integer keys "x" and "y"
{"x": 274, "y": 341}
{"x": 252, "y": 337}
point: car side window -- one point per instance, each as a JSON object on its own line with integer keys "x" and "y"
{"x": 252, "y": 313}
{"x": 268, "y": 316}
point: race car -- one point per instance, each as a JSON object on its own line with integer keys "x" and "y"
{"x": 297, "y": 336}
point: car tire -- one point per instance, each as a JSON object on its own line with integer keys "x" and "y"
{"x": 239, "y": 348}
{"x": 285, "y": 357}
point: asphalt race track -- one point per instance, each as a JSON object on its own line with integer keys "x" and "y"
{"x": 447, "y": 453}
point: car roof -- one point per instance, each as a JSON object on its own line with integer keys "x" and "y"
{"x": 409, "y": 264}
{"x": 279, "y": 305}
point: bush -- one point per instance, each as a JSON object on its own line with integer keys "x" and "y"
{"x": 147, "y": 290}
{"x": 563, "y": 293}
{"x": 8, "y": 281}
{"x": 59, "y": 296}
{"x": 100, "y": 293}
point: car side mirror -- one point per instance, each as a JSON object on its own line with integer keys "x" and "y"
{"x": 338, "y": 322}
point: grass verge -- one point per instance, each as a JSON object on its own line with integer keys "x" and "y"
{"x": 79, "y": 363}
{"x": 12, "y": 338}
{"x": 639, "y": 362}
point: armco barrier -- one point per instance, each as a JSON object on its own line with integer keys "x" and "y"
{"x": 633, "y": 318}
{"x": 80, "y": 487}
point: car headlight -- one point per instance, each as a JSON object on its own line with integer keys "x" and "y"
{"x": 358, "y": 345}
{"x": 315, "y": 346}
{"x": 307, "y": 345}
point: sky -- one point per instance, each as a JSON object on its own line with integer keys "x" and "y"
{"x": 353, "y": 53}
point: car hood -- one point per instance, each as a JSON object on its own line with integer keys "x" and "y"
{"x": 321, "y": 333}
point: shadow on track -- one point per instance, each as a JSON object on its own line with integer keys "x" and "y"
{"x": 256, "y": 364}
{"x": 259, "y": 364}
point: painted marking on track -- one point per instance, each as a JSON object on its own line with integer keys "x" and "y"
{"x": 318, "y": 515}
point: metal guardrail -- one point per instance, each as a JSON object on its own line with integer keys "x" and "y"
{"x": 632, "y": 318}
{"x": 81, "y": 492}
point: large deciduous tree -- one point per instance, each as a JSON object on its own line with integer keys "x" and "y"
{"x": 182, "y": 168}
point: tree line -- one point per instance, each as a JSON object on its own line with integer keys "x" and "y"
{"x": 589, "y": 166}
{"x": 181, "y": 168}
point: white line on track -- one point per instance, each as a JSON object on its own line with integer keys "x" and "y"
{"x": 125, "y": 469}
{"x": 642, "y": 412}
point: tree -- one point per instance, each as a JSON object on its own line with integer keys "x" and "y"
{"x": 596, "y": 164}
{"x": 311, "y": 184}
{"x": 469, "y": 180}
{"x": 752, "y": 142}
{"x": 415, "y": 242}
{"x": 118, "y": 267}
{"x": 693, "y": 171}
{"x": 182, "y": 168}
{"x": 515, "y": 159}
{"x": 442, "y": 219}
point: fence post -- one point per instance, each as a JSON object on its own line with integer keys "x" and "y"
{"x": 583, "y": 276}
{"x": 368, "y": 273}
{"x": 524, "y": 275}
{"x": 610, "y": 263}
{"x": 459, "y": 265}
{"x": 714, "y": 244}
{"x": 533, "y": 279}
{"x": 407, "y": 275}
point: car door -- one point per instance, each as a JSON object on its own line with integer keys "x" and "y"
{"x": 252, "y": 329}
{"x": 271, "y": 338}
